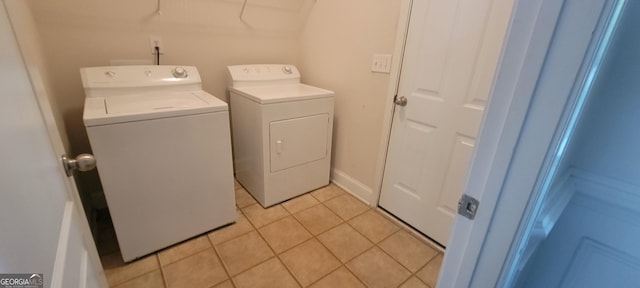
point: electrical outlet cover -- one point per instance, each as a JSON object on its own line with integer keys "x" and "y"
{"x": 156, "y": 41}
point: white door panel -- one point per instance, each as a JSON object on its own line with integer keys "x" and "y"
{"x": 43, "y": 225}
{"x": 69, "y": 262}
{"x": 450, "y": 56}
{"x": 553, "y": 51}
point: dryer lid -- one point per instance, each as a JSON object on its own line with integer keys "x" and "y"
{"x": 147, "y": 106}
{"x": 282, "y": 93}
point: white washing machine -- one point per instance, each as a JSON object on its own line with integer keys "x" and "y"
{"x": 163, "y": 152}
{"x": 282, "y": 132}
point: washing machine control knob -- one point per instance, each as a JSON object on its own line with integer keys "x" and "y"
{"x": 287, "y": 69}
{"x": 179, "y": 72}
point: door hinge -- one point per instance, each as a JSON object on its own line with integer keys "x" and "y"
{"x": 468, "y": 206}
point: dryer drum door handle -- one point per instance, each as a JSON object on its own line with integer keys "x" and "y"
{"x": 279, "y": 146}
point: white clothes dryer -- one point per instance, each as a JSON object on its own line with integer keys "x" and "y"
{"x": 282, "y": 132}
{"x": 163, "y": 152}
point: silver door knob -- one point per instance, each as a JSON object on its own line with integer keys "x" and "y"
{"x": 83, "y": 162}
{"x": 402, "y": 101}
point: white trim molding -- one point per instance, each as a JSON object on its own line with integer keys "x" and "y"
{"x": 590, "y": 251}
{"x": 354, "y": 187}
{"x": 394, "y": 80}
{"x": 614, "y": 196}
{"x": 621, "y": 195}
{"x": 591, "y": 204}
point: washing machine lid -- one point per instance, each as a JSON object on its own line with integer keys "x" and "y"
{"x": 282, "y": 93}
{"x": 147, "y": 106}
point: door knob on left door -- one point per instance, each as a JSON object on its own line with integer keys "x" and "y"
{"x": 83, "y": 162}
{"x": 402, "y": 101}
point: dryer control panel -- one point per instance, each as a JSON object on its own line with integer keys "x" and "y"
{"x": 262, "y": 75}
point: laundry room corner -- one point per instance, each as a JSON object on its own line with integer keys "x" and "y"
{"x": 337, "y": 44}
{"x": 30, "y": 43}
{"x": 209, "y": 35}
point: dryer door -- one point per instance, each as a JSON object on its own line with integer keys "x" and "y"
{"x": 298, "y": 141}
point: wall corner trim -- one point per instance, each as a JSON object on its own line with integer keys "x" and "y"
{"x": 353, "y": 187}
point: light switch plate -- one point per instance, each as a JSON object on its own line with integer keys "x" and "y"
{"x": 381, "y": 63}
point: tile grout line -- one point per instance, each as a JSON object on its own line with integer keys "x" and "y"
{"x": 353, "y": 272}
{"x": 409, "y": 229}
{"x": 289, "y": 270}
{"x": 376, "y": 246}
{"x": 307, "y": 240}
{"x": 314, "y": 205}
{"x": 238, "y": 236}
{"x": 275, "y": 255}
{"x": 205, "y": 234}
{"x": 140, "y": 276}
{"x": 224, "y": 267}
{"x": 334, "y": 255}
{"x": 300, "y": 244}
{"x": 164, "y": 277}
{"x": 349, "y": 224}
{"x": 425, "y": 265}
{"x": 342, "y": 221}
{"x": 315, "y": 237}
{"x": 407, "y": 280}
{"x": 403, "y": 266}
{"x": 384, "y": 251}
{"x": 268, "y": 223}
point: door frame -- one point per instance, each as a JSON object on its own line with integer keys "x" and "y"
{"x": 519, "y": 130}
{"x": 392, "y": 90}
{"x": 16, "y": 11}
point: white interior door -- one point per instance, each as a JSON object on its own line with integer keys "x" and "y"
{"x": 43, "y": 226}
{"x": 451, "y": 52}
{"x": 548, "y": 57}
{"x": 580, "y": 228}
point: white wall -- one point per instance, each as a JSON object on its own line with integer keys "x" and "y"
{"x": 336, "y": 47}
{"x": 331, "y": 41}
{"x": 30, "y": 43}
{"x": 608, "y": 138}
{"x": 206, "y": 34}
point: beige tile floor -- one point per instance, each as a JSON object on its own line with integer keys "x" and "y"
{"x": 325, "y": 238}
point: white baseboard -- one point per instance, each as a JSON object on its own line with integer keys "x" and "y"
{"x": 353, "y": 186}
{"x": 558, "y": 197}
